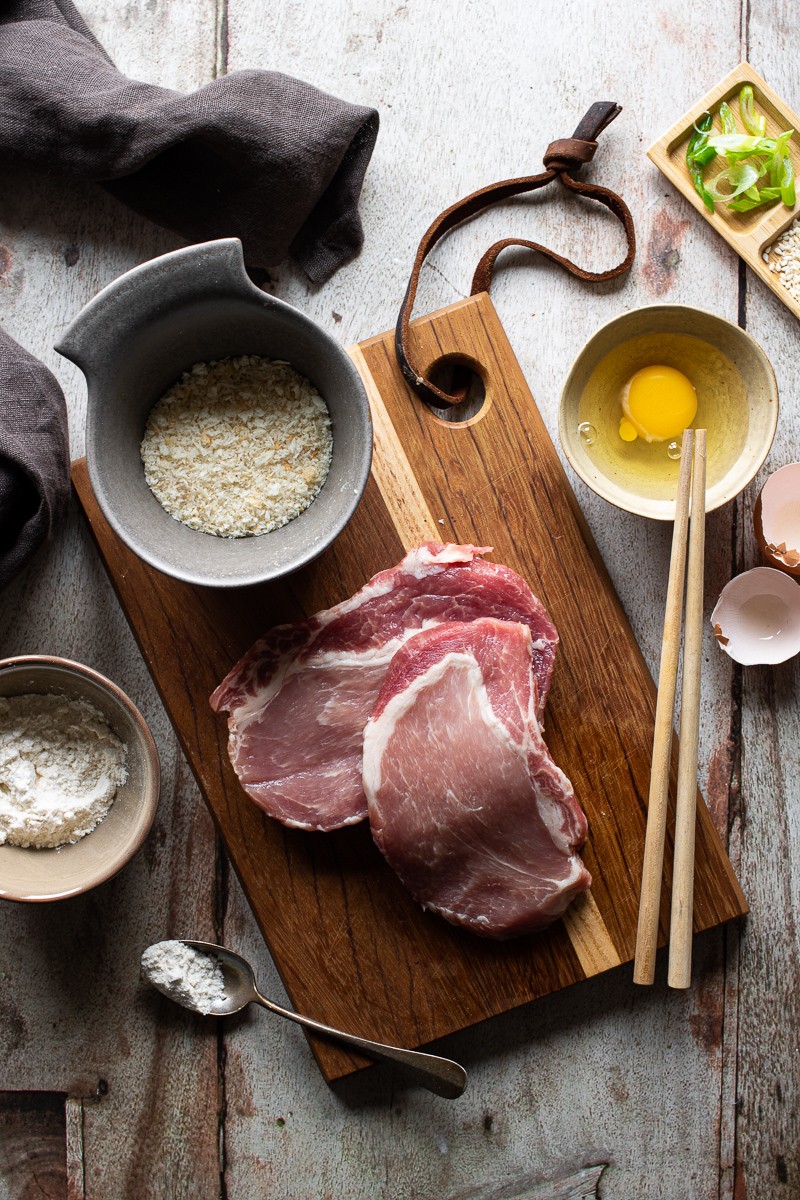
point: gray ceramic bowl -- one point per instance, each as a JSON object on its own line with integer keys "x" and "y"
{"x": 138, "y": 336}
{"x": 30, "y": 874}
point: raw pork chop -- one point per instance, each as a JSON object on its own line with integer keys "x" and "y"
{"x": 465, "y": 801}
{"x": 301, "y": 696}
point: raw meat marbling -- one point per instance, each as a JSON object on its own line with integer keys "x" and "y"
{"x": 465, "y": 802}
{"x": 299, "y": 699}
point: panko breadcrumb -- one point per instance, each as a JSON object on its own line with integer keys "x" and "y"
{"x": 237, "y": 447}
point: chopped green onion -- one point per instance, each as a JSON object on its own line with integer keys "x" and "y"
{"x": 747, "y": 202}
{"x": 776, "y": 162}
{"x": 781, "y": 169}
{"x": 698, "y": 153}
{"x": 749, "y": 157}
{"x": 696, "y": 172}
{"x": 727, "y": 119}
{"x": 704, "y": 155}
{"x": 741, "y": 143}
{"x": 788, "y": 195}
{"x": 699, "y": 139}
{"x": 755, "y": 123}
{"x": 739, "y": 178}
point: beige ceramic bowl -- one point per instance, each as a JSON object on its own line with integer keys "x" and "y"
{"x": 738, "y": 441}
{"x": 31, "y": 874}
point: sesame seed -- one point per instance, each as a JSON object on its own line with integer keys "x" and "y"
{"x": 783, "y": 259}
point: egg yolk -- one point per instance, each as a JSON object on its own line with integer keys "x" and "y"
{"x": 658, "y": 403}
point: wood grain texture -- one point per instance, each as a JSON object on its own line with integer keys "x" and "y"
{"x": 74, "y": 1147}
{"x": 75, "y": 1014}
{"x": 352, "y": 933}
{"x": 581, "y": 1185}
{"x": 591, "y": 1074}
{"x": 33, "y": 1159}
{"x": 765, "y": 809}
{"x": 392, "y": 471}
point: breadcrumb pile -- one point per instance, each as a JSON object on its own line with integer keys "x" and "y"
{"x": 238, "y": 447}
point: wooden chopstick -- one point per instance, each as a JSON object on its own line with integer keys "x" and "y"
{"x": 680, "y": 929}
{"x": 653, "y": 867}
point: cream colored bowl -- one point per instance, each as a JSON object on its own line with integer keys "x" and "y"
{"x": 31, "y": 874}
{"x": 737, "y": 393}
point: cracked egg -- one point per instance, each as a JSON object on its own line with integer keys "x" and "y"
{"x": 757, "y": 617}
{"x": 777, "y": 519}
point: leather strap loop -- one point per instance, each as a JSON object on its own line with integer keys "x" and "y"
{"x": 562, "y": 157}
{"x": 568, "y": 154}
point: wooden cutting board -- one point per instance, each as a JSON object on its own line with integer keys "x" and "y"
{"x": 352, "y": 947}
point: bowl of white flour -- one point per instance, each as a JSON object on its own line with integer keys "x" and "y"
{"x": 79, "y": 778}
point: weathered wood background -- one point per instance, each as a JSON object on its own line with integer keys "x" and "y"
{"x": 681, "y": 1094}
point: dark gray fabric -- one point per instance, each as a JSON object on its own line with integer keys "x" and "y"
{"x": 34, "y": 455}
{"x": 255, "y": 155}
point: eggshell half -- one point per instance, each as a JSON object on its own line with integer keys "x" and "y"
{"x": 777, "y": 519}
{"x": 757, "y": 617}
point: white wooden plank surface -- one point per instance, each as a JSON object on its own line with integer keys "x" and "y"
{"x": 75, "y": 1016}
{"x": 650, "y": 1081}
{"x": 767, "y": 1160}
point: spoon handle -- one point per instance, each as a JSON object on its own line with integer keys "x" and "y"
{"x": 440, "y": 1075}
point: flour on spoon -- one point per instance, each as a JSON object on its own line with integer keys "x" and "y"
{"x": 185, "y": 974}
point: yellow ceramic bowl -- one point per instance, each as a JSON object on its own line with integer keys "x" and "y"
{"x": 30, "y": 874}
{"x": 737, "y": 404}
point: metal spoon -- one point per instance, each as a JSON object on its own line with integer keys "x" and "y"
{"x": 440, "y": 1075}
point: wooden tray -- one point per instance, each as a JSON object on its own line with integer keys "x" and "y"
{"x": 751, "y": 234}
{"x": 345, "y": 935}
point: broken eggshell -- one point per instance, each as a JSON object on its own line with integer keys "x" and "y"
{"x": 757, "y": 617}
{"x": 777, "y": 519}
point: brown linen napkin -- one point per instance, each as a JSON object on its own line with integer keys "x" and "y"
{"x": 34, "y": 456}
{"x": 255, "y": 155}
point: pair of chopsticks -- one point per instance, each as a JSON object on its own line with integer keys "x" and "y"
{"x": 691, "y": 483}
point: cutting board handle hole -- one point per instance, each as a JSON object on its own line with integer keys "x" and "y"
{"x": 455, "y": 373}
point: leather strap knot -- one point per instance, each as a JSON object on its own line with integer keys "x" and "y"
{"x": 568, "y": 154}
{"x": 563, "y": 157}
